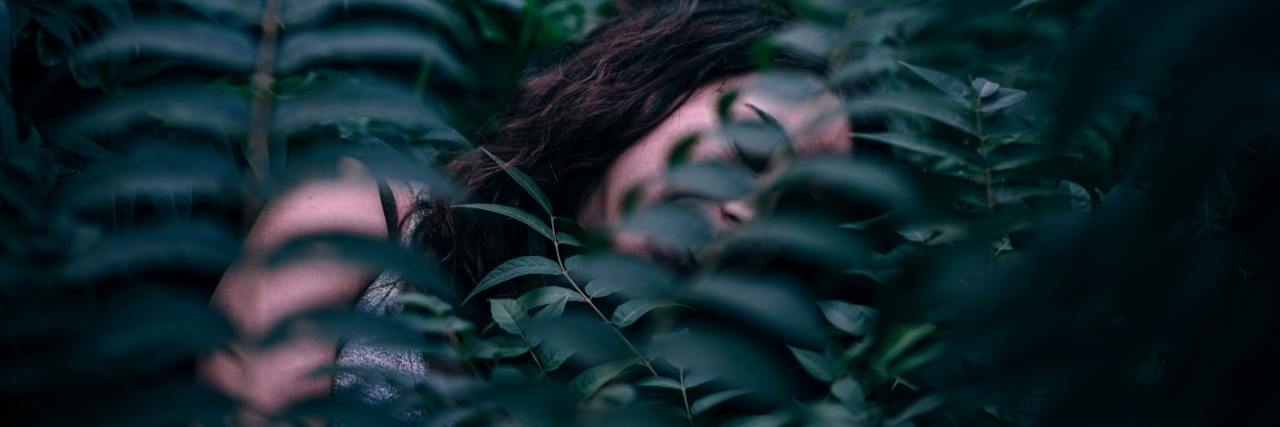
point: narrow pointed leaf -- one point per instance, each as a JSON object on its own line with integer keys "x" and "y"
{"x": 547, "y": 295}
{"x": 816, "y": 364}
{"x": 524, "y": 181}
{"x": 517, "y": 267}
{"x": 509, "y": 315}
{"x": 514, "y": 213}
{"x": 711, "y": 401}
{"x": 631, "y": 311}
{"x": 946, "y": 83}
{"x": 660, "y": 382}
{"x": 590, "y": 381}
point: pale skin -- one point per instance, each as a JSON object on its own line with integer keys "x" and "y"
{"x": 255, "y": 298}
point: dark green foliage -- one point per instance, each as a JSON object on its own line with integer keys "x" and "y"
{"x": 1059, "y": 212}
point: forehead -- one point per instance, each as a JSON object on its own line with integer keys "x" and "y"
{"x": 815, "y": 124}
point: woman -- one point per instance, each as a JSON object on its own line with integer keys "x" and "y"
{"x": 587, "y": 129}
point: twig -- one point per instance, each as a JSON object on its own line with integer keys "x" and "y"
{"x": 260, "y": 122}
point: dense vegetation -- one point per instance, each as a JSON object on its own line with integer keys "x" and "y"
{"x": 1061, "y": 212}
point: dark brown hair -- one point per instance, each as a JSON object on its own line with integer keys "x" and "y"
{"x": 572, "y": 119}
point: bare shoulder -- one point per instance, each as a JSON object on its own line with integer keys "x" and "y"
{"x": 349, "y": 203}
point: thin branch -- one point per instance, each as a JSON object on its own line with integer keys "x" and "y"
{"x": 555, "y": 239}
{"x": 260, "y": 125}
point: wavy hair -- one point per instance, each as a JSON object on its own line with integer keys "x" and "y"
{"x": 570, "y": 120}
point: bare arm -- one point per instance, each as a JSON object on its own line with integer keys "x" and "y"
{"x": 255, "y": 297}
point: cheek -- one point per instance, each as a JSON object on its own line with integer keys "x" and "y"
{"x": 640, "y": 166}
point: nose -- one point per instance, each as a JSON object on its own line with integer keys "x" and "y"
{"x": 737, "y": 212}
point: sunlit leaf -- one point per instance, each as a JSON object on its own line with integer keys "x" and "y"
{"x": 514, "y": 268}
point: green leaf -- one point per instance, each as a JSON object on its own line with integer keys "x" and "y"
{"x": 920, "y": 144}
{"x": 367, "y": 44}
{"x": 917, "y": 104}
{"x": 861, "y": 181}
{"x": 712, "y": 180}
{"x": 589, "y": 381}
{"x": 367, "y": 251}
{"x": 380, "y": 101}
{"x": 984, "y": 87}
{"x": 508, "y": 314}
{"x": 600, "y": 288}
{"x": 1080, "y": 199}
{"x": 631, "y": 311}
{"x": 430, "y": 303}
{"x": 852, "y": 319}
{"x": 210, "y": 45}
{"x": 952, "y": 86}
{"x": 766, "y": 302}
{"x": 524, "y": 181}
{"x": 660, "y": 382}
{"x": 920, "y": 407}
{"x": 513, "y": 268}
{"x": 554, "y": 309}
{"x": 513, "y": 213}
{"x": 710, "y": 401}
{"x": 801, "y": 238}
{"x": 501, "y": 347}
{"x": 816, "y": 364}
{"x": 312, "y": 12}
{"x": 849, "y": 392}
{"x": 547, "y": 295}
{"x": 681, "y": 151}
{"x": 552, "y": 360}
{"x": 1026, "y": 4}
{"x": 669, "y": 225}
{"x": 437, "y": 325}
{"x": 1003, "y": 98}
{"x": 568, "y": 239}
{"x": 901, "y": 338}
{"x": 724, "y": 111}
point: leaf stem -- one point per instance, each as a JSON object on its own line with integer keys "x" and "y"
{"x": 555, "y": 239}
{"x": 457, "y": 345}
{"x": 982, "y": 150}
{"x": 684, "y": 395}
{"x": 259, "y": 142}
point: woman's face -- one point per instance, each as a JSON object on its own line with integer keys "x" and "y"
{"x": 814, "y": 126}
